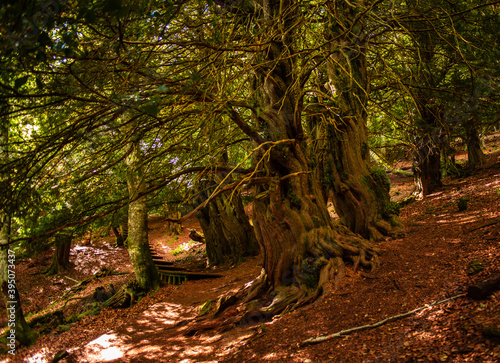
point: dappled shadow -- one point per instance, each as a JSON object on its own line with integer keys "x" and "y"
{"x": 161, "y": 328}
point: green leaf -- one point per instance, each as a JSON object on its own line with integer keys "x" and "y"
{"x": 20, "y": 82}
{"x": 162, "y": 88}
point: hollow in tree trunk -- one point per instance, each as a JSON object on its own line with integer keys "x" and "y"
{"x": 228, "y": 234}
{"x": 60, "y": 258}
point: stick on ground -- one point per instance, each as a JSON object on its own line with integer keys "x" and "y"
{"x": 323, "y": 338}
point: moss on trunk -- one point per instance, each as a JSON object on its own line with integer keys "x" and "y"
{"x": 137, "y": 242}
{"x": 359, "y": 192}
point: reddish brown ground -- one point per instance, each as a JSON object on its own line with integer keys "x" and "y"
{"x": 429, "y": 262}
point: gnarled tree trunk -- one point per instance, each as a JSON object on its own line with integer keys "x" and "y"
{"x": 475, "y": 154}
{"x": 302, "y": 249}
{"x": 426, "y": 166}
{"x": 228, "y": 233}
{"x": 360, "y": 193}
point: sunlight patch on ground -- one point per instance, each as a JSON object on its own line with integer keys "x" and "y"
{"x": 234, "y": 344}
{"x": 89, "y": 260}
{"x": 196, "y": 350}
{"x": 38, "y": 357}
{"x": 105, "y": 348}
{"x": 166, "y": 312}
{"x": 465, "y": 219}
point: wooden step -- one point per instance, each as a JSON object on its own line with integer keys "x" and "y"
{"x": 162, "y": 263}
{"x": 170, "y": 268}
{"x": 178, "y": 277}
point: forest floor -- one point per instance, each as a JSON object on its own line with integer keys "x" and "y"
{"x": 441, "y": 251}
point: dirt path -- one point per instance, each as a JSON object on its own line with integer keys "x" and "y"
{"x": 429, "y": 262}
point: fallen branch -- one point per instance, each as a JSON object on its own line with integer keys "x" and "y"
{"x": 69, "y": 278}
{"x": 323, "y": 338}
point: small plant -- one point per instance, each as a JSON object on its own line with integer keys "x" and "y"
{"x": 475, "y": 266}
{"x": 205, "y": 308}
{"x": 185, "y": 247}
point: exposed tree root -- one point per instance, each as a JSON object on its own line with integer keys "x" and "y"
{"x": 322, "y": 262}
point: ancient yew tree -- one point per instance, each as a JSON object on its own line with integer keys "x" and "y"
{"x": 302, "y": 247}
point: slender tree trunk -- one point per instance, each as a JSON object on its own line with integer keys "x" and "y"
{"x": 118, "y": 237}
{"x": 428, "y": 121}
{"x": 124, "y": 228}
{"x": 228, "y": 234}
{"x": 19, "y": 329}
{"x": 60, "y": 258}
{"x": 137, "y": 241}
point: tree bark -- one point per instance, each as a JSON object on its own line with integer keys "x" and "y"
{"x": 426, "y": 167}
{"x": 60, "y": 258}
{"x": 124, "y": 228}
{"x": 119, "y": 241}
{"x": 137, "y": 242}
{"x": 428, "y": 120}
{"x": 475, "y": 154}
{"x": 19, "y": 329}
{"x": 360, "y": 192}
{"x": 301, "y": 247}
{"x": 228, "y": 234}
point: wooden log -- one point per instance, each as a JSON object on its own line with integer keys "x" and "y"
{"x": 483, "y": 289}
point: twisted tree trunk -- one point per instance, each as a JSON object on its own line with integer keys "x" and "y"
{"x": 475, "y": 154}
{"x": 302, "y": 249}
{"x": 60, "y": 258}
{"x": 228, "y": 233}
{"x": 360, "y": 192}
{"x": 426, "y": 167}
